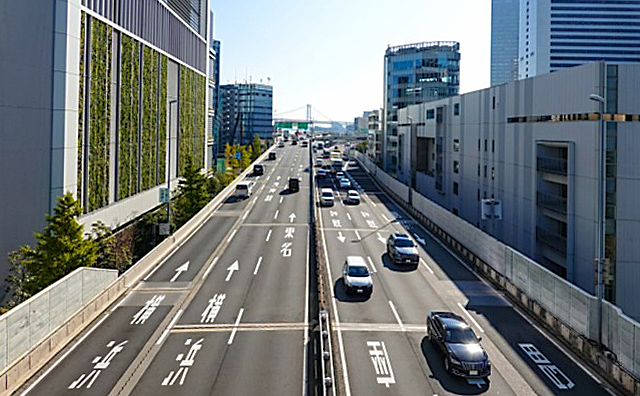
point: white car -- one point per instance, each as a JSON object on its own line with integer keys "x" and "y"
{"x": 356, "y": 276}
{"x": 339, "y": 175}
{"x": 345, "y": 183}
{"x": 318, "y": 162}
{"x": 244, "y": 189}
{"x": 353, "y": 197}
{"x": 326, "y": 197}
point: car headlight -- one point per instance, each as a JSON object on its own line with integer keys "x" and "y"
{"x": 455, "y": 361}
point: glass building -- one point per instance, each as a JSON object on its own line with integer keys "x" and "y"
{"x": 505, "y": 20}
{"x": 415, "y": 73}
{"x": 247, "y": 109}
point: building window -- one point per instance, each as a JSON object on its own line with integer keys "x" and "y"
{"x": 485, "y": 171}
{"x": 455, "y": 188}
{"x": 456, "y": 109}
{"x": 494, "y": 102}
{"x": 478, "y": 170}
{"x": 456, "y": 167}
{"x": 456, "y": 145}
{"x": 455, "y": 211}
{"x": 478, "y": 144}
{"x": 493, "y": 146}
{"x": 485, "y": 144}
{"x": 431, "y": 113}
{"x": 493, "y": 173}
{"x": 478, "y": 194}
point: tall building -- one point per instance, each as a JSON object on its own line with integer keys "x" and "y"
{"x": 415, "y": 73}
{"x": 556, "y": 34}
{"x": 214, "y": 118}
{"x": 247, "y": 109}
{"x": 94, "y": 95}
{"x": 533, "y": 146}
{"x": 374, "y": 125}
{"x": 505, "y": 20}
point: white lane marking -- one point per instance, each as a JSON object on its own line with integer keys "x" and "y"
{"x": 479, "y": 382}
{"x": 384, "y": 217}
{"x": 245, "y": 215}
{"x": 426, "y": 265}
{"x": 235, "y": 327}
{"x": 357, "y": 235}
{"x": 275, "y": 216}
{"x": 215, "y": 260}
{"x": 305, "y": 339}
{"x": 258, "y": 266}
{"x": 80, "y": 341}
{"x": 552, "y": 372}
{"x": 232, "y": 268}
{"x": 395, "y": 313}
{"x": 166, "y": 331}
{"x": 281, "y": 198}
{"x": 268, "y": 236}
{"x": 373, "y": 267}
{"x": 348, "y": 216}
{"x": 232, "y": 235}
{"x": 279, "y": 177}
{"x": 470, "y": 317}
{"x": 254, "y": 201}
{"x": 380, "y": 238}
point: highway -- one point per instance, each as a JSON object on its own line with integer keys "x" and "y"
{"x": 231, "y": 312}
{"x": 226, "y": 314}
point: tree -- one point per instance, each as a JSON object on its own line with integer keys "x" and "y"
{"x": 192, "y": 193}
{"x": 256, "y": 147}
{"x": 245, "y": 157}
{"x": 60, "y": 249}
{"x": 110, "y": 254}
{"x": 17, "y": 279}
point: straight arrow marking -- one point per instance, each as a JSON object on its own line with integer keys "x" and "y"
{"x": 180, "y": 270}
{"x": 341, "y": 238}
{"x": 232, "y": 268}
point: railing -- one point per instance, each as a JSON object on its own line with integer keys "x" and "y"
{"x": 552, "y": 165}
{"x": 554, "y": 203}
{"x": 552, "y": 239}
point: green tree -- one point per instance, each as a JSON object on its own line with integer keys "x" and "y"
{"x": 245, "y": 157}
{"x": 17, "y": 279}
{"x": 60, "y": 248}
{"x": 256, "y": 147}
{"x": 192, "y": 193}
{"x": 110, "y": 254}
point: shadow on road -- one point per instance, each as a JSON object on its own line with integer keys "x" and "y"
{"x": 450, "y": 383}
{"x": 388, "y": 263}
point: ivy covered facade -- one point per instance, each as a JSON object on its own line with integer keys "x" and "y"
{"x": 125, "y": 92}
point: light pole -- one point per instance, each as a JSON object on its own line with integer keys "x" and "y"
{"x": 411, "y": 159}
{"x": 601, "y": 205}
{"x": 173, "y": 101}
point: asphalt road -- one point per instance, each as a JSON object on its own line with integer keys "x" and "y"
{"x": 226, "y": 314}
{"x": 382, "y": 348}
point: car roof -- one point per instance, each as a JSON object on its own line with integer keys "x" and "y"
{"x": 451, "y": 321}
{"x": 324, "y": 190}
{"x": 356, "y": 261}
{"x": 400, "y": 235}
{"x": 352, "y": 192}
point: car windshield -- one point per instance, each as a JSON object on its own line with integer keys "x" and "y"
{"x": 461, "y": 336}
{"x": 353, "y": 194}
{"x": 327, "y": 194}
{"x": 357, "y": 271}
{"x": 403, "y": 242}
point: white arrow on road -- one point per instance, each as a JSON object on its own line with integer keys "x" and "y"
{"x": 380, "y": 238}
{"x": 180, "y": 270}
{"x": 232, "y": 268}
{"x": 292, "y": 216}
{"x": 341, "y": 237}
{"x": 420, "y": 240}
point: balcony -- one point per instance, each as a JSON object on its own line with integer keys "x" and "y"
{"x": 552, "y": 202}
{"x": 555, "y": 165}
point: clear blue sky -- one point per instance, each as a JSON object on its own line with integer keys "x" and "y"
{"x": 330, "y": 53}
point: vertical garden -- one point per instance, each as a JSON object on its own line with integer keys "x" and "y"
{"x": 192, "y": 118}
{"x": 129, "y": 117}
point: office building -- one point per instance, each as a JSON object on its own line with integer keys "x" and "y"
{"x": 556, "y": 34}
{"x": 247, "y": 109}
{"x": 532, "y": 146}
{"x": 415, "y": 73}
{"x": 374, "y": 125}
{"x": 214, "y": 118}
{"x": 91, "y": 93}
{"x": 505, "y": 19}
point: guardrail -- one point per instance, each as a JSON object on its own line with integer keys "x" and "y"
{"x": 78, "y": 317}
{"x": 563, "y": 308}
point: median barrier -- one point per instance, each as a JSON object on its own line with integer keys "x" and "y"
{"x": 565, "y": 310}
{"x": 28, "y": 342}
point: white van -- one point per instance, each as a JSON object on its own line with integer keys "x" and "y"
{"x": 326, "y": 197}
{"x": 244, "y": 189}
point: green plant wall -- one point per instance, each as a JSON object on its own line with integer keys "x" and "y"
{"x": 128, "y": 139}
{"x": 149, "y": 137}
{"x": 100, "y": 116}
{"x": 80, "y": 163}
{"x": 192, "y": 118}
{"x": 162, "y": 134}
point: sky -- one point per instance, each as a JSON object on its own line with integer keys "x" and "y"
{"x": 330, "y": 53}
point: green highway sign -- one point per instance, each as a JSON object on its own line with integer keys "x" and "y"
{"x": 303, "y": 125}
{"x": 282, "y": 124}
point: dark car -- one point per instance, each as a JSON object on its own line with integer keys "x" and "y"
{"x": 294, "y": 143}
{"x": 402, "y": 250}
{"x": 463, "y": 354}
{"x": 272, "y": 156}
{"x": 258, "y": 169}
{"x": 294, "y": 184}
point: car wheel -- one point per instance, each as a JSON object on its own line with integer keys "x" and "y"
{"x": 447, "y": 365}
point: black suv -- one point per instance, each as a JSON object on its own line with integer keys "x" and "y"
{"x": 272, "y": 156}
{"x": 463, "y": 354}
{"x": 294, "y": 184}
{"x": 258, "y": 169}
{"x": 401, "y": 249}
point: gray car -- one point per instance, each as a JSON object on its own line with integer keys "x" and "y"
{"x": 402, "y": 250}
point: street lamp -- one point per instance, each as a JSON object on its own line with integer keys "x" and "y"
{"x": 173, "y": 101}
{"x": 601, "y": 205}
